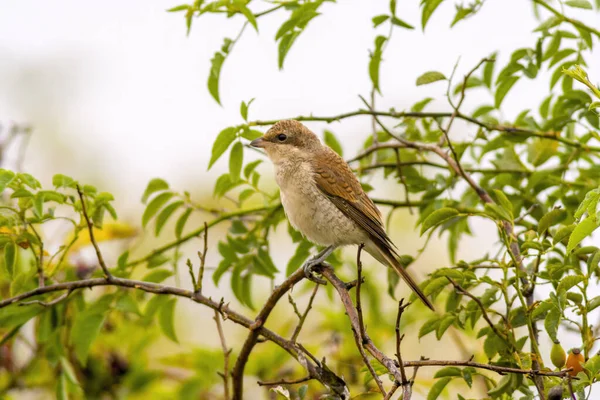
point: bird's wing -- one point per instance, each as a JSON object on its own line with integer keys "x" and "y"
{"x": 336, "y": 180}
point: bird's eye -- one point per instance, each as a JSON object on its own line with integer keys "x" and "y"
{"x": 281, "y": 137}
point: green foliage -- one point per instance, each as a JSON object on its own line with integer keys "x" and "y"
{"x": 533, "y": 175}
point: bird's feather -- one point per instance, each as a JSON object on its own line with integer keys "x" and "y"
{"x": 335, "y": 179}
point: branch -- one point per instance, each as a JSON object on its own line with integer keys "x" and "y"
{"x": 572, "y": 21}
{"x": 202, "y": 257}
{"x": 285, "y": 382}
{"x": 367, "y": 343}
{"x": 490, "y": 367}
{"x": 238, "y": 370}
{"x": 406, "y": 384}
{"x": 487, "y": 318}
{"x": 226, "y": 354}
{"x": 199, "y": 231}
{"x": 359, "y": 337}
{"x": 303, "y": 316}
{"x": 512, "y": 130}
{"x": 315, "y": 369}
{"x": 90, "y": 226}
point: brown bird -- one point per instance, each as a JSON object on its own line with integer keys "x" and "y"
{"x": 324, "y": 200}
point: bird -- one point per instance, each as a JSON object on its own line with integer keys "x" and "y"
{"x": 323, "y": 199}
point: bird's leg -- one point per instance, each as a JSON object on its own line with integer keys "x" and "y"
{"x": 316, "y": 260}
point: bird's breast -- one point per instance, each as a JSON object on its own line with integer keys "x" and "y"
{"x": 310, "y": 211}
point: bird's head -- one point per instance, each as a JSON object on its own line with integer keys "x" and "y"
{"x": 288, "y": 138}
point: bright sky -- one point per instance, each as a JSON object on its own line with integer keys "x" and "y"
{"x": 117, "y": 94}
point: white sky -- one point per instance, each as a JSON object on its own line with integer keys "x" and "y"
{"x": 117, "y": 93}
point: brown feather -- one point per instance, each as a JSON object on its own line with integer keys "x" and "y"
{"x": 336, "y": 180}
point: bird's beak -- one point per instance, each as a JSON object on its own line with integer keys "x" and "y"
{"x": 260, "y": 142}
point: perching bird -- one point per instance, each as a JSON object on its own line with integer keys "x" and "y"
{"x": 324, "y": 200}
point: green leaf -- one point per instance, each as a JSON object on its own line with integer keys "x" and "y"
{"x": 540, "y": 151}
{"x": 83, "y": 333}
{"x": 428, "y": 326}
{"x": 166, "y": 319}
{"x": 10, "y": 258}
{"x": 551, "y": 323}
{"x": 550, "y": 219}
{"x": 222, "y": 142}
{"x": 495, "y": 211}
{"x": 589, "y": 204}
{"x": 155, "y": 185}
{"x": 375, "y": 61}
{"x": 502, "y": 90}
{"x": 68, "y": 370}
{"x": 164, "y": 215}
{"x": 244, "y": 109}
{"x": 581, "y": 231}
{"x": 379, "y": 19}
{"x": 437, "y": 217}
{"x": 182, "y": 7}
{"x": 248, "y": 14}
{"x": 567, "y": 282}
{"x": 301, "y": 254}
{"x": 285, "y": 44}
{"x": 157, "y": 276}
{"x": 429, "y": 7}
{"x": 398, "y": 22}
{"x": 236, "y": 160}
{"x": 430, "y": 77}
{"x": 549, "y": 23}
{"x": 216, "y": 63}
{"x": 155, "y": 205}
{"x": 435, "y": 285}
{"x": 58, "y": 181}
{"x": 563, "y": 233}
{"x": 62, "y": 392}
{"x": 448, "y": 371}
{"x": 331, "y": 141}
{"x": 461, "y": 13}
{"x": 250, "y": 167}
{"x": 181, "y": 221}
{"x": 488, "y": 71}
{"x": 586, "y": 5}
{"x": 503, "y": 201}
{"x": 437, "y": 388}
{"x": 250, "y": 134}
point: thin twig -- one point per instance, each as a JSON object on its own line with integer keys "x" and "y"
{"x": 202, "y": 257}
{"x": 484, "y": 313}
{"x": 40, "y": 261}
{"x": 303, "y": 316}
{"x": 49, "y": 303}
{"x": 403, "y": 180}
{"x": 90, "y": 226}
{"x": 191, "y": 272}
{"x": 406, "y": 384}
{"x": 226, "y": 354}
{"x": 361, "y": 336}
{"x": 314, "y": 368}
{"x": 285, "y": 381}
{"x": 240, "y": 364}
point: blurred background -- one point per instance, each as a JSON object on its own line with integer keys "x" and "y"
{"x": 115, "y": 94}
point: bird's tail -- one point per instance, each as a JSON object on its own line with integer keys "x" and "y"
{"x": 386, "y": 257}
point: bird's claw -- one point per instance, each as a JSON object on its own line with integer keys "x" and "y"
{"x": 310, "y": 273}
